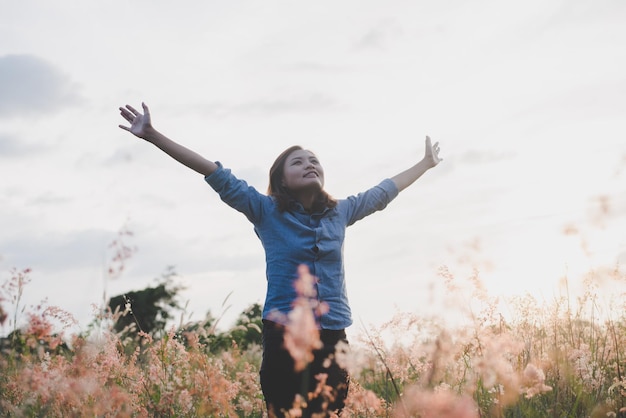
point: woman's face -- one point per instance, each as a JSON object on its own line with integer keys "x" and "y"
{"x": 303, "y": 171}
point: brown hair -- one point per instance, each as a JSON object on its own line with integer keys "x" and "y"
{"x": 281, "y": 193}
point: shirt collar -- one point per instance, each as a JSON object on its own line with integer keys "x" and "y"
{"x": 295, "y": 206}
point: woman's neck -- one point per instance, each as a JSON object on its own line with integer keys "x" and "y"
{"x": 307, "y": 199}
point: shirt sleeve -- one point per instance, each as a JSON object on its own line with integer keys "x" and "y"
{"x": 237, "y": 193}
{"x": 375, "y": 199}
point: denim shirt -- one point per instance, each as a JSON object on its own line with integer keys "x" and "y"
{"x": 296, "y": 237}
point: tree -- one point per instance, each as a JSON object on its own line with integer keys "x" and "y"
{"x": 148, "y": 310}
{"x": 247, "y": 330}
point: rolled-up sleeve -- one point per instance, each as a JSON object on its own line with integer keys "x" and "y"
{"x": 237, "y": 193}
{"x": 372, "y": 200}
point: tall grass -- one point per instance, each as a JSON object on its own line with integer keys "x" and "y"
{"x": 520, "y": 357}
{"x": 563, "y": 358}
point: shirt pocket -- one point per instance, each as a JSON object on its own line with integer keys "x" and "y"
{"x": 329, "y": 239}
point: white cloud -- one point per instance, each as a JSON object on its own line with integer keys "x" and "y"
{"x": 271, "y": 106}
{"x": 31, "y": 86}
{"x": 11, "y": 146}
{"x": 54, "y": 252}
{"x": 380, "y": 36}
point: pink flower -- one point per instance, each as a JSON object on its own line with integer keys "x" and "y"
{"x": 437, "y": 404}
{"x": 534, "y": 381}
{"x": 302, "y": 335}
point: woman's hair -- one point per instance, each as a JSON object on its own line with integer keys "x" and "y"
{"x": 281, "y": 193}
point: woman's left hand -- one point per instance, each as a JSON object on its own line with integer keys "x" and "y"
{"x": 431, "y": 153}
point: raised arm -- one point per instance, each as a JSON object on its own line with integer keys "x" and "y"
{"x": 141, "y": 126}
{"x": 408, "y": 176}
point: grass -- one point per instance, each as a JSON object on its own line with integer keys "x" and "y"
{"x": 561, "y": 358}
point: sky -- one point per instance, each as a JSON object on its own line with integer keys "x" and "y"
{"x": 527, "y": 101}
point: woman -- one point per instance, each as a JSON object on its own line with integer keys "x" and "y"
{"x": 298, "y": 223}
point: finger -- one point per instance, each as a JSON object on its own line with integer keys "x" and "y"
{"x": 125, "y": 112}
{"x": 124, "y": 128}
{"x": 145, "y": 108}
{"x": 132, "y": 110}
{"x": 126, "y": 115}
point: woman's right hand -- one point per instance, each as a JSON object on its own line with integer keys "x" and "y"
{"x": 140, "y": 124}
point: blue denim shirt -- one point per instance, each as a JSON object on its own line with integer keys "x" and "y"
{"x": 296, "y": 237}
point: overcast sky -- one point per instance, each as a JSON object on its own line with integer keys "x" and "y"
{"x": 527, "y": 100}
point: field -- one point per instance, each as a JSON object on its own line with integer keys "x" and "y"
{"x": 562, "y": 358}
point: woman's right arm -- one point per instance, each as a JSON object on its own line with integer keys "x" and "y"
{"x": 141, "y": 126}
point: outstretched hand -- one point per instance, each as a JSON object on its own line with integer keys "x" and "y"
{"x": 431, "y": 153}
{"x": 139, "y": 123}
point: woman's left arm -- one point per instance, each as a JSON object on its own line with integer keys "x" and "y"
{"x": 431, "y": 159}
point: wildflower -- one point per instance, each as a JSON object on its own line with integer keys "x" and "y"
{"x": 298, "y": 405}
{"x": 121, "y": 253}
{"x": 362, "y": 402}
{"x": 534, "y": 381}
{"x": 350, "y": 360}
{"x": 302, "y": 335}
{"x": 322, "y": 390}
{"x": 586, "y": 368}
{"x": 435, "y": 404}
{"x": 494, "y": 367}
